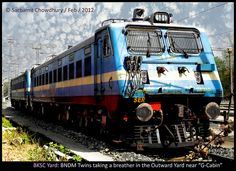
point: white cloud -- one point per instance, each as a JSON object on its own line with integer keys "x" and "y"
{"x": 29, "y": 18}
{"x": 195, "y": 3}
{"x": 192, "y": 13}
{"x": 114, "y": 7}
{"x": 52, "y": 20}
{"x": 172, "y": 6}
{"x": 228, "y": 7}
{"x": 20, "y": 4}
{"x": 44, "y": 25}
{"x": 63, "y": 36}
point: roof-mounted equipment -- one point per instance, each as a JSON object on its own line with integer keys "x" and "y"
{"x": 159, "y": 17}
{"x": 138, "y": 14}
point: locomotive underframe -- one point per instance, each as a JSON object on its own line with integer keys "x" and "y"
{"x": 176, "y": 130}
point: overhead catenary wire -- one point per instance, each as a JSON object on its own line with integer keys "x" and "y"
{"x": 202, "y": 12}
{"x": 218, "y": 34}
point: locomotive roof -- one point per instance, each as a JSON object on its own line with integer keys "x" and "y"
{"x": 147, "y": 23}
{"x": 21, "y": 74}
{"x": 68, "y": 51}
{"x": 113, "y": 24}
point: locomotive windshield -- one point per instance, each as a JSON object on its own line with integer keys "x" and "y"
{"x": 147, "y": 41}
{"x": 184, "y": 42}
{"x": 144, "y": 41}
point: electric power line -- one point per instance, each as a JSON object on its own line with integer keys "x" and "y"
{"x": 217, "y": 34}
{"x": 202, "y": 12}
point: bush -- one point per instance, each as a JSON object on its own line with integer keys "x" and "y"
{"x": 6, "y": 123}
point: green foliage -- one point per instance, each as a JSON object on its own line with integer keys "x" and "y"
{"x": 5, "y": 88}
{"x": 38, "y": 154}
{"x": 224, "y": 72}
{"x": 60, "y": 148}
{"x": 50, "y": 155}
{"x": 6, "y": 123}
{"x": 9, "y": 136}
{"x": 77, "y": 158}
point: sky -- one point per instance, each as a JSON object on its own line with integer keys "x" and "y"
{"x": 48, "y": 28}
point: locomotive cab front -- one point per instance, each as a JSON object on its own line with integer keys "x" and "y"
{"x": 168, "y": 81}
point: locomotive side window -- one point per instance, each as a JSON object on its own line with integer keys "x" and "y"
{"x": 87, "y": 66}
{"x": 184, "y": 41}
{"x": 46, "y": 82}
{"x": 144, "y": 41}
{"x": 106, "y": 46}
{"x": 43, "y": 78}
{"x": 79, "y": 69}
{"x": 65, "y": 73}
{"x": 35, "y": 82}
{"x": 40, "y": 78}
{"x": 71, "y": 71}
{"x": 50, "y": 77}
{"x": 54, "y": 75}
{"x": 99, "y": 49}
{"x": 59, "y": 74}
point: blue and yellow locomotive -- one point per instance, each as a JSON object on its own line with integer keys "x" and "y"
{"x": 20, "y": 91}
{"x": 145, "y": 82}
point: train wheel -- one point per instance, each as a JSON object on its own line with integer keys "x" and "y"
{"x": 101, "y": 123}
{"x": 84, "y": 120}
{"x": 42, "y": 111}
{"x": 67, "y": 114}
{"x": 59, "y": 114}
{"x": 19, "y": 106}
{"x": 34, "y": 110}
{"x": 51, "y": 112}
{"x": 72, "y": 118}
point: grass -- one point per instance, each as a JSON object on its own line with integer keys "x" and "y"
{"x": 21, "y": 145}
{"x": 6, "y": 123}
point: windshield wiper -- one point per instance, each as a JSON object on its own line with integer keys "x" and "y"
{"x": 148, "y": 45}
{"x": 179, "y": 49}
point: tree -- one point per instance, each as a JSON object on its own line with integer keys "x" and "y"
{"x": 5, "y": 88}
{"x": 224, "y": 72}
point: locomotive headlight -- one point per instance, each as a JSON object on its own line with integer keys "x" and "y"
{"x": 144, "y": 112}
{"x": 212, "y": 110}
{"x": 162, "y": 17}
{"x": 144, "y": 76}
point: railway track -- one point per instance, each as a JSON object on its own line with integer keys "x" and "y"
{"x": 224, "y": 107}
{"x": 221, "y": 154}
{"x": 58, "y": 134}
{"x": 92, "y": 149}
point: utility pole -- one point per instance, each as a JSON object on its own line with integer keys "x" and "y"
{"x": 231, "y": 100}
{"x": 10, "y": 43}
{"x": 37, "y": 49}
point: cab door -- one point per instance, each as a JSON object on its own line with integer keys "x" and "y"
{"x": 103, "y": 63}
